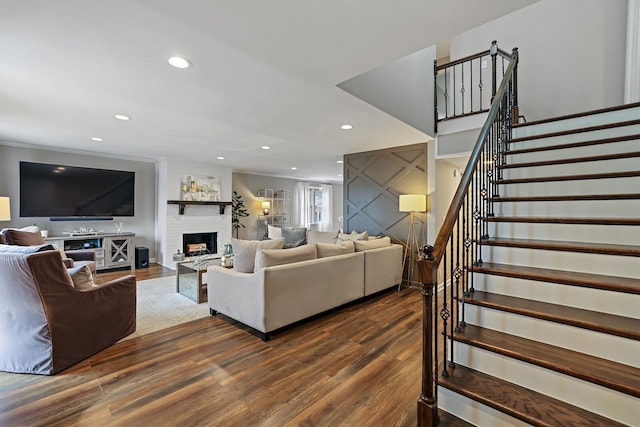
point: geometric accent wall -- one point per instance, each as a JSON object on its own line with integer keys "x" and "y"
{"x": 373, "y": 180}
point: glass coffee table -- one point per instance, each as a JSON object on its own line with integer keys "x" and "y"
{"x": 189, "y": 277}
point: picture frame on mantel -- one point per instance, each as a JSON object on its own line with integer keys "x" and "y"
{"x": 200, "y": 188}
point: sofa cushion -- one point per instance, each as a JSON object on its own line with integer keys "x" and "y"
{"x": 364, "y": 245}
{"x": 81, "y": 277}
{"x": 322, "y": 236}
{"x": 271, "y": 257}
{"x": 274, "y": 232}
{"x": 23, "y": 237}
{"x": 294, "y": 237}
{"x": 244, "y": 252}
{"x": 353, "y": 236}
{"x": 334, "y": 249}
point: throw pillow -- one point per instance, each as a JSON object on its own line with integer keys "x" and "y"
{"x": 364, "y": 245}
{"x": 244, "y": 252}
{"x": 274, "y": 232}
{"x": 23, "y": 238}
{"x": 81, "y": 277}
{"x": 294, "y": 237}
{"x": 271, "y": 257}
{"x": 353, "y": 236}
{"x": 322, "y": 236}
{"x": 334, "y": 249}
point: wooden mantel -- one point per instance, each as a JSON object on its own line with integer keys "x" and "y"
{"x": 182, "y": 203}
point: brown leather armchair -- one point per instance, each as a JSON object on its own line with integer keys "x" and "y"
{"x": 46, "y": 324}
{"x": 20, "y": 237}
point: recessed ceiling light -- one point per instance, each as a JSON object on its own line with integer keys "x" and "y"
{"x": 346, "y": 127}
{"x": 179, "y": 62}
{"x": 266, "y": 147}
{"x": 294, "y": 168}
{"x": 340, "y": 161}
{"x": 220, "y": 158}
{"x": 122, "y": 117}
{"x": 340, "y": 175}
{"x": 97, "y": 139}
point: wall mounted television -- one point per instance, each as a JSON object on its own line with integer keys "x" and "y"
{"x": 71, "y": 192}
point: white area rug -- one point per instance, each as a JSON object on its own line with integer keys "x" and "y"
{"x": 160, "y": 306}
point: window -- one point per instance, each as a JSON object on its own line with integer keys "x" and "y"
{"x": 315, "y": 205}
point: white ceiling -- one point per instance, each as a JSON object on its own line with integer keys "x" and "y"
{"x": 264, "y": 73}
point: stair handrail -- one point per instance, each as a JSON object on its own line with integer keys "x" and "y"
{"x": 476, "y": 188}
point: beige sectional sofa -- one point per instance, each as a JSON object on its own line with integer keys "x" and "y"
{"x": 279, "y": 293}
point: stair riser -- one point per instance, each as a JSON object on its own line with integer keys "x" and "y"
{"x": 572, "y": 169}
{"x": 592, "y": 397}
{"x": 474, "y": 412}
{"x": 622, "y": 350}
{"x": 611, "y": 265}
{"x": 578, "y": 209}
{"x": 611, "y": 302}
{"x": 549, "y": 141}
{"x": 579, "y": 122}
{"x": 571, "y": 153}
{"x": 613, "y": 234}
{"x": 559, "y": 188}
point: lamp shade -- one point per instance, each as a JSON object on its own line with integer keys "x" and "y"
{"x": 413, "y": 202}
{"x": 266, "y": 205}
{"x": 5, "y": 209}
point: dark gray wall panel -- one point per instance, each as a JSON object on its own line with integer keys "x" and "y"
{"x": 373, "y": 180}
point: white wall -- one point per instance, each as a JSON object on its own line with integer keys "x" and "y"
{"x": 402, "y": 88}
{"x": 572, "y": 53}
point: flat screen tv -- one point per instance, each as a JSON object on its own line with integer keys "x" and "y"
{"x": 71, "y": 191}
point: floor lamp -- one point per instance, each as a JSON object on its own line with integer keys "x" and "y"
{"x": 411, "y": 203}
{"x": 5, "y": 209}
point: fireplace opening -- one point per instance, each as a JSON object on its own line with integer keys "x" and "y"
{"x": 199, "y": 243}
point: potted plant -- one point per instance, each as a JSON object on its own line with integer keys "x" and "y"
{"x": 238, "y": 210}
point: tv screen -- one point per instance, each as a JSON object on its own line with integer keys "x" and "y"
{"x": 71, "y": 191}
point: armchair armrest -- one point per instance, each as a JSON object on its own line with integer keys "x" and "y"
{"x": 81, "y": 255}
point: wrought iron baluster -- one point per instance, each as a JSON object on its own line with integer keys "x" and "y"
{"x": 446, "y": 94}
{"x": 462, "y": 88}
{"x": 452, "y": 303}
{"x": 444, "y": 315}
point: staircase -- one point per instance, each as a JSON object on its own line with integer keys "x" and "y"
{"x": 545, "y": 330}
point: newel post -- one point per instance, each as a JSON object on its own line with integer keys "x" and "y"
{"x": 427, "y": 404}
{"x": 515, "y": 118}
{"x": 493, "y": 51}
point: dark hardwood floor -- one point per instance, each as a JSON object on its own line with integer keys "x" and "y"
{"x": 358, "y": 366}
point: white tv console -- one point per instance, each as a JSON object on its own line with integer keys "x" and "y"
{"x": 113, "y": 250}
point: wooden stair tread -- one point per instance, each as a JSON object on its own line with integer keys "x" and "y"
{"x": 556, "y": 245}
{"x": 577, "y": 130}
{"x": 576, "y": 115}
{"x": 626, "y": 327}
{"x": 573, "y": 278}
{"x": 613, "y": 156}
{"x": 609, "y": 374}
{"x": 527, "y": 405}
{"x": 558, "y": 220}
{"x": 572, "y": 197}
{"x": 579, "y": 177}
{"x": 571, "y": 145}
